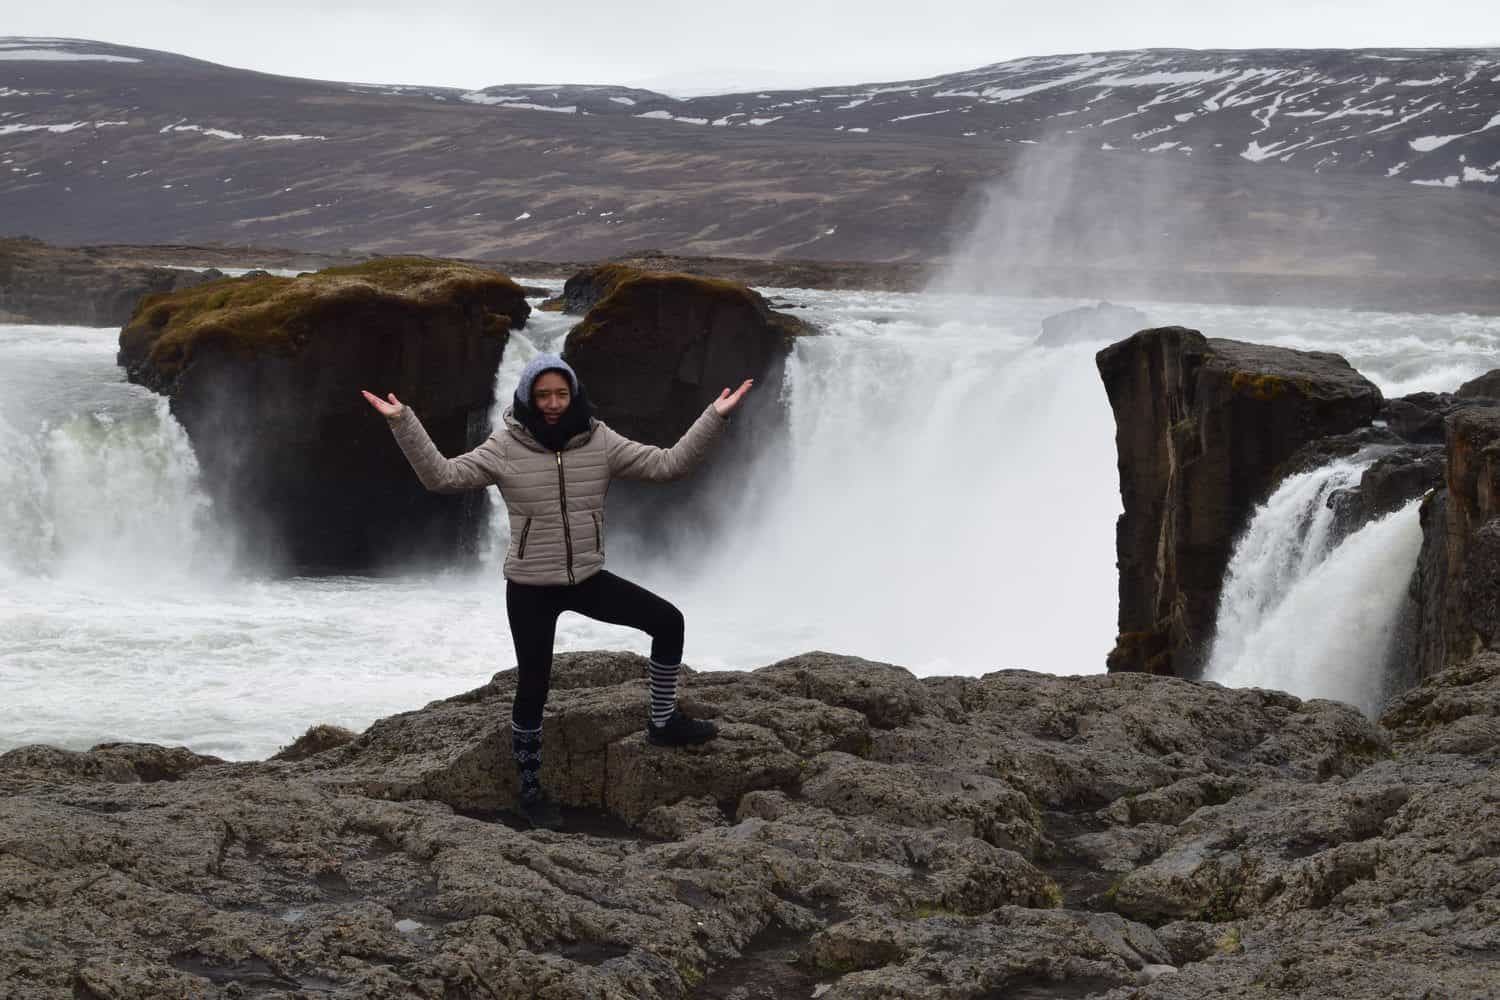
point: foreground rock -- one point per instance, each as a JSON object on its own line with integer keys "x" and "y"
{"x": 855, "y": 831}
{"x": 265, "y": 374}
{"x": 48, "y": 284}
{"x": 1204, "y": 427}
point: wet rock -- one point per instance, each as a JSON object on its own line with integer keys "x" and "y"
{"x": 1486, "y": 386}
{"x": 1099, "y": 323}
{"x": 265, "y": 375}
{"x": 1203, "y": 426}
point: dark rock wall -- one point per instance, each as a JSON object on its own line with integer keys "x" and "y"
{"x": 267, "y": 385}
{"x": 1457, "y": 586}
{"x": 1202, "y": 428}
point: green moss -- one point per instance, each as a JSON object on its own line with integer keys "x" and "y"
{"x": 1229, "y": 942}
{"x": 275, "y": 313}
{"x": 1265, "y": 387}
{"x": 621, "y": 287}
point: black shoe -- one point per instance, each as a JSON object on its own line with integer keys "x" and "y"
{"x": 540, "y": 811}
{"x": 680, "y": 731}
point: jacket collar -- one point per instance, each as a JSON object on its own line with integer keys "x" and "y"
{"x": 520, "y": 433}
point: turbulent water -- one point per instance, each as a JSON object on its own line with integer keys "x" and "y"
{"x": 1307, "y": 612}
{"x": 945, "y": 499}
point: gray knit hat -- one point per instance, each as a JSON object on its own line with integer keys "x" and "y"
{"x": 533, "y": 370}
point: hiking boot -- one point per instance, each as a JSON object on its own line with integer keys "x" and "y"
{"x": 540, "y": 811}
{"x": 680, "y": 731}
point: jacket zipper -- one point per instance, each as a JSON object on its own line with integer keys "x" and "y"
{"x": 598, "y": 535}
{"x": 525, "y": 530}
{"x": 562, "y": 492}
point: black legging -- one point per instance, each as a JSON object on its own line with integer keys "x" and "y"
{"x": 533, "y": 612}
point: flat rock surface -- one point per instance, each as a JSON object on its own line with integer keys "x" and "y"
{"x": 855, "y": 832}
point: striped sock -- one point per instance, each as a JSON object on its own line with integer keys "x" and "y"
{"x": 663, "y": 692}
{"x": 526, "y": 748}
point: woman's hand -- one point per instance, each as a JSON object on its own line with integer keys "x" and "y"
{"x": 726, "y": 402}
{"x": 391, "y": 409}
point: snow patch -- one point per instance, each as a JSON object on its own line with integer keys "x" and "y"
{"x": 1450, "y": 181}
{"x": 1000, "y": 95}
{"x": 763, "y": 121}
{"x": 70, "y": 126}
{"x": 217, "y": 133}
{"x": 1432, "y": 82}
{"x": 1160, "y": 147}
{"x": 523, "y": 216}
{"x": 1473, "y": 175}
{"x": 922, "y": 114}
{"x": 52, "y": 55}
{"x": 1160, "y": 79}
{"x": 628, "y": 102}
{"x": 1393, "y": 171}
{"x": 290, "y": 137}
{"x": 857, "y": 102}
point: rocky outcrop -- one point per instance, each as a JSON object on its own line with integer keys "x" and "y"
{"x": 1091, "y": 324}
{"x": 47, "y": 284}
{"x": 1203, "y": 429}
{"x": 655, "y": 348}
{"x": 1457, "y": 583}
{"x": 855, "y": 832}
{"x": 265, "y": 375}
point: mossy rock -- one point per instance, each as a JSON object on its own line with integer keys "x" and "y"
{"x": 617, "y": 290}
{"x": 250, "y": 315}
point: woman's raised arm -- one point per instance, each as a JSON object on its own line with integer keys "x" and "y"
{"x": 472, "y": 470}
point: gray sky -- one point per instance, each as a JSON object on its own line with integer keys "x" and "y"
{"x": 674, "y": 44}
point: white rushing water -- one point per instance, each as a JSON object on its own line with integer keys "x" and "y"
{"x": 945, "y": 500}
{"x": 1319, "y": 622}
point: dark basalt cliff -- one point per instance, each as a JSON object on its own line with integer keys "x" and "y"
{"x": 656, "y": 348}
{"x": 265, "y": 375}
{"x": 1203, "y": 429}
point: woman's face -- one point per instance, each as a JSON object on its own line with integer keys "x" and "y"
{"x": 550, "y": 396}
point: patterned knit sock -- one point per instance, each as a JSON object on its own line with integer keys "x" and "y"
{"x": 526, "y": 748}
{"x": 663, "y": 692}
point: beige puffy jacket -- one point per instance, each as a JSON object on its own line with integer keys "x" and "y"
{"x": 555, "y": 498}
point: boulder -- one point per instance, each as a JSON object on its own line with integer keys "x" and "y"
{"x": 655, "y": 348}
{"x": 1203, "y": 427}
{"x": 265, "y": 375}
{"x": 46, "y": 284}
{"x": 1101, "y": 323}
{"x": 1486, "y": 386}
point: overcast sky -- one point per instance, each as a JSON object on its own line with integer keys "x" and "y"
{"x": 702, "y": 45}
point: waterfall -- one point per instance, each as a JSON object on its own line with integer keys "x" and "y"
{"x": 1305, "y": 612}
{"x": 105, "y": 497}
{"x": 944, "y": 499}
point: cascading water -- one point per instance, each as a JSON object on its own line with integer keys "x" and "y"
{"x": 943, "y": 498}
{"x": 107, "y": 495}
{"x": 1305, "y": 612}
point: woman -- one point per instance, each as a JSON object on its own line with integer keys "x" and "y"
{"x": 553, "y": 462}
